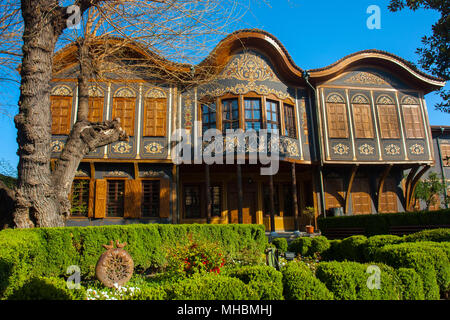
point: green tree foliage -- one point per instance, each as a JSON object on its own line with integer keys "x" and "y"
{"x": 429, "y": 189}
{"x": 435, "y": 53}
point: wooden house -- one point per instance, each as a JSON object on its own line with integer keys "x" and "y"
{"x": 349, "y": 132}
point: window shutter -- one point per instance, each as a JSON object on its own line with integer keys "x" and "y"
{"x": 155, "y": 117}
{"x": 123, "y": 108}
{"x": 337, "y": 120}
{"x": 388, "y": 197}
{"x": 362, "y": 202}
{"x": 91, "y": 198}
{"x": 61, "y": 107}
{"x": 132, "y": 201}
{"x": 164, "y": 204}
{"x": 100, "y": 198}
{"x": 95, "y": 109}
{"x": 334, "y": 193}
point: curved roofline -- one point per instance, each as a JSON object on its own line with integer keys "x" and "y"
{"x": 374, "y": 55}
{"x": 282, "y": 60}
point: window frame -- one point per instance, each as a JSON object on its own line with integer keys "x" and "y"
{"x": 128, "y": 127}
{"x": 158, "y": 206}
{"x": 287, "y": 120}
{"x": 108, "y": 181}
{"x": 88, "y": 187}
{"x": 407, "y": 108}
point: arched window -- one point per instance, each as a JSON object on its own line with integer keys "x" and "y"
{"x": 96, "y": 101}
{"x": 155, "y": 113}
{"x": 412, "y": 118}
{"x": 124, "y": 104}
{"x": 362, "y": 116}
{"x": 336, "y": 116}
{"x": 387, "y": 116}
{"x": 61, "y": 106}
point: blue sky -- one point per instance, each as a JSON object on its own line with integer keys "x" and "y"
{"x": 316, "y": 34}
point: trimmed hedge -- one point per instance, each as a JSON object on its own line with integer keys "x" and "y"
{"x": 43, "y": 288}
{"x": 412, "y": 284}
{"x": 266, "y": 281}
{"x": 49, "y": 251}
{"x": 281, "y": 244}
{"x": 306, "y": 246}
{"x": 348, "y": 281}
{"x": 428, "y": 259}
{"x": 210, "y": 287}
{"x": 374, "y": 224}
{"x": 299, "y": 283}
{"x": 375, "y": 242}
{"x": 436, "y": 235}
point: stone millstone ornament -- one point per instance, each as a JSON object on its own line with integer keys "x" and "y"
{"x": 115, "y": 266}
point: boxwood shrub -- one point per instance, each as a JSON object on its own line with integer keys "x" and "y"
{"x": 374, "y": 224}
{"x": 47, "y": 288}
{"x": 348, "y": 281}
{"x": 49, "y": 251}
{"x": 281, "y": 244}
{"x": 266, "y": 281}
{"x": 436, "y": 235}
{"x": 428, "y": 259}
{"x": 412, "y": 284}
{"x": 378, "y": 241}
{"x": 352, "y": 248}
{"x": 210, "y": 287}
{"x": 306, "y": 246}
{"x": 299, "y": 283}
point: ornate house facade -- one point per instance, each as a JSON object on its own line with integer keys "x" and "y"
{"x": 348, "y": 133}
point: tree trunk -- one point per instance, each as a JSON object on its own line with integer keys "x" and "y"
{"x": 42, "y": 196}
{"x": 35, "y": 199}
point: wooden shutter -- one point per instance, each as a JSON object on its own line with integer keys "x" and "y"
{"x": 387, "y": 115}
{"x": 388, "y": 197}
{"x": 100, "y": 198}
{"x": 164, "y": 202}
{"x": 334, "y": 193}
{"x": 155, "y": 115}
{"x": 363, "y": 121}
{"x": 95, "y": 109}
{"x": 123, "y": 108}
{"x": 362, "y": 202}
{"x": 413, "y": 121}
{"x": 91, "y": 198}
{"x": 61, "y": 107}
{"x": 337, "y": 120}
{"x": 133, "y": 197}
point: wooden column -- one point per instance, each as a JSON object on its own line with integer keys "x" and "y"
{"x": 413, "y": 185}
{"x": 208, "y": 194}
{"x": 294, "y": 197}
{"x": 272, "y": 205}
{"x": 240, "y": 193}
{"x": 349, "y": 188}
{"x": 381, "y": 185}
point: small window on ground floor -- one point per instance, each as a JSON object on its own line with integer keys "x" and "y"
{"x": 150, "y": 198}
{"x": 276, "y": 199}
{"x": 192, "y": 206}
{"x": 115, "y": 199}
{"x": 80, "y": 197}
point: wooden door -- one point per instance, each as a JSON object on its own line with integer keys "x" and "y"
{"x": 388, "y": 197}
{"x": 248, "y": 207}
{"x": 362, "y": 202}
